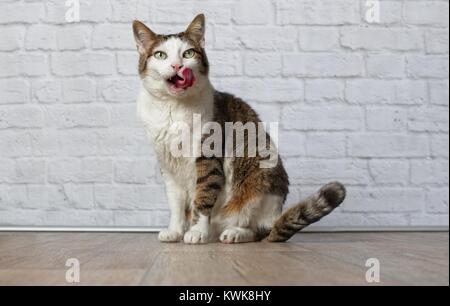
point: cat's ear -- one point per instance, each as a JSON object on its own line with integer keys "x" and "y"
{"x": 196, "y": 29}
{"x": 144, "y": 37}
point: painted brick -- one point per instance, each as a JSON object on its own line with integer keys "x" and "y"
{"x": 227, "y": 63}
{"x": 78, "y": 116}
{"x": 177, "y": 12}
{"x": 88, "y": 170}
{"x": 429, "y": 172}
{"x": 12, "y": 12}
{"x": 331, "y": 118}
{"x": 325, "y": 145}
{"x": 21, "y": 117}
{"x": 291, "y": 144}
{"x": 440, "y": 146}
{"x": 437, "y": 200}
{"x": 12, "y": 38}
{"x": 386, "y": 172}
{"x": 436, "y": 41}
{"x": 134, "y": 171}
{"x": 324, "y": 90}
{"x": 155, "y": 218}
{"x": 262, "y": 65}
{"x": 427, "y": 13}
{"x": 119, "y": 90}
{"x": 435, "y": 119}
{"x": 439, "y": 92}
{"x": 385, "y": 200}
{"x": 387, "y": 145}
{"x": 363, "y": 38}
{"x": 73, "y": 37}
{"x": 319, "y": 39}
{"x": 386, "y": 66}
{"x": 386, "y": 119}
{"x": 269, "y": 90}
{"x": 386, "y": 92}
{"x": 130, "y": 197}
{"x": 77, "y": 64}
{"x": 322, "y": 171}
{"x": 127, "y": 63}
{"x": 323, "y": 65}
{"x": 252, "y": 12}
{"x": 428, "y": 66}
{"x": 365, "y": 103}
{"x": 41, "y": 37}
{"x": 14, "y": 91}
{"x": 29, "y": 64}
{"x": 113, "y": 37}
{"x": 326, "y": 12}
{"x": 267, "y": 38}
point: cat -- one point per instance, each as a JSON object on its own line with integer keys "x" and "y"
{"x": 212, "y": 198}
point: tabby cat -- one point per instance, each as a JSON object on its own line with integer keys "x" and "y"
{"x": 211, "y": 198}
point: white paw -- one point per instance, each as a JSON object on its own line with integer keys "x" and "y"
{"x": 169, "y": 236}
{"x": 195, "y": 237}
{"x": 235, "y": 235}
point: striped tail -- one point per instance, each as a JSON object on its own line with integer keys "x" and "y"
{"x": 307, "y": 212}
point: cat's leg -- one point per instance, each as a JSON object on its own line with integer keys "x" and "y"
{"x": 253, "y": 221}
{"x": 210, "y": 181}
{"x": 237, "y": 235}
{"x": 177, "y": 198}
{"x": 199, "y": 232}
{"x": 238, "y": 228}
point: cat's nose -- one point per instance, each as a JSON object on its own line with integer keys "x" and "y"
{"x": 177, "y": 67}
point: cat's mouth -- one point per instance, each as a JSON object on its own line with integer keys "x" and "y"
{"x": 182, "y": 80}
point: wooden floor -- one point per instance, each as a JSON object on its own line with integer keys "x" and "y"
{"x": 308, "y": 259}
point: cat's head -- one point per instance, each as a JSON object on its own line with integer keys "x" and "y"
{"x": 173, "y": 65}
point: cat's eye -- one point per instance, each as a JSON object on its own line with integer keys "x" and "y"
{"x": 189, "y": 53}
{"x": 160, "y": 55}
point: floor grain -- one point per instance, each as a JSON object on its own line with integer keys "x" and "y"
{"x": 308, "y": 259}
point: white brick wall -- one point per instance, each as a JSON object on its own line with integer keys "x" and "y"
{"x": 365, "y": 103}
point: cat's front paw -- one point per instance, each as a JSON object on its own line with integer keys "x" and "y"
{"x": 196, "y": 237}
{"x": 169, "y": 236}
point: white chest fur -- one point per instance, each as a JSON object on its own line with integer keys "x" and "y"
{"x": 163, "y": 122}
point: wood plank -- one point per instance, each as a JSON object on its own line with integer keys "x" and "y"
{"x": 48, "y": 277}
{"x": 308, "y": 259}
{"x": 111, "y": 251}
{"x": 406, "y": 259}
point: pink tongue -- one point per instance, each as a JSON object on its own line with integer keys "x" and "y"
{"x": 188, "y": 79}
